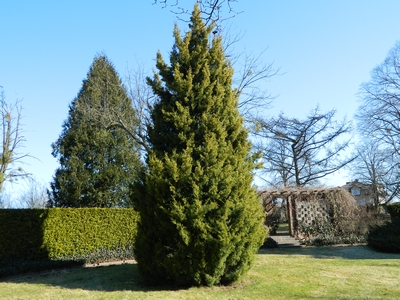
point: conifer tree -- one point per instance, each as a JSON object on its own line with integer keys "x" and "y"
{"x": 97, "y": 164}
{"x": 201, "y": 220}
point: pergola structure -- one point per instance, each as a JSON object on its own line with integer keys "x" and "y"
{"x": 304, "y": 205}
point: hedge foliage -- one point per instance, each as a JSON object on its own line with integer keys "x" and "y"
{"x": 385, "y": 238}
{"x": 21, "y": 233}
{"x": 394, "y": 210}
{"x": 62, "y": 233}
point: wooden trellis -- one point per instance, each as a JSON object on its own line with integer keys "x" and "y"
{"x": 304, "y": 205}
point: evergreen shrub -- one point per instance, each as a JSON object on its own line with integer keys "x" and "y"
{"x": 394, "y": 210}
{"x": 201, "y": 221}
{"x": 98, "y": 159}
{"x": 385, "y": 238}
{"x": 269, "y": 243}
{"x": 21, "y": 232}
{"x": 65, "y": 233}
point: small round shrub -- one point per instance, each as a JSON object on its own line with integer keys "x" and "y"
{"x": 269, "y": 243}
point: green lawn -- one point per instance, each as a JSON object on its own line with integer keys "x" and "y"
{"x": 341, "y": 272}
{"x": 283, "y": 228}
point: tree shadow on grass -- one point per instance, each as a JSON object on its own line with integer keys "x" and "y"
{"x": 111, "y": 278}
{"x": 339, "y": 251}
{"x": 21, "y": 266}
{"x": 126, "y": 277}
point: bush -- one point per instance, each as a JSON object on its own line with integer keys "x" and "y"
{"x": 21, "y": 232}
{"x": 320, "y": 232}
{"x": 385, "y": 238}
{"x": 36, "y": 238}
{"x": 350, "y": 230}
{"x": 341, "y": 220}
{"x": 59, "y": 233}
{"x": 269, "y": 243}
{"x": 394, "y": 210}
{"x": 201, "y": 222}
{"x": 72, "y": 232}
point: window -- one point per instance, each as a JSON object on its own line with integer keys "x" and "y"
{"x": 355, "y": 191}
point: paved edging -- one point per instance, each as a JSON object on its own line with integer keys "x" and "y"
{"x": 109, "y": 263}
{"x": 285, "y": 241}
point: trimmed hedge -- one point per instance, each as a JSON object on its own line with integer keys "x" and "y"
{"x": 21, "y": 232}
{"x": 64, "y": 233}
{"x": 394, "y": 210}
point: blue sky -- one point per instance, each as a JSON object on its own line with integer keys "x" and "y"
{"x": 325, "y": 50}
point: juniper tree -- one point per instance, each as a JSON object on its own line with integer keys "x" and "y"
{"x": 97, "y": 164}
{"x": 201, "y": 220}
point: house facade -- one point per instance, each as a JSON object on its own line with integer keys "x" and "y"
{"x": 362, "y": 193}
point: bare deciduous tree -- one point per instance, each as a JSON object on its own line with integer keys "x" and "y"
{"x": 301, "y": 152}
{"x": 35, "y": 196}
{"x": 278, "y": 172}
{"x": 12, "y": 141}
{"x": 375, "y": 165}
{"x": 250, "y": 71}
{"x": 211, "y": 10}
{"x": 5, "y": 200}
{"x": 379, "y": 121}
{"x": 254, "y": 99}
{"x": 379, "y": 114}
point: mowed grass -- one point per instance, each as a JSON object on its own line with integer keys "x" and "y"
{"x": 338, "y": 272}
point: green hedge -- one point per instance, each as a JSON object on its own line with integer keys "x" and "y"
{"x": 386, "y": 237}
{"x": 21, "y": 233}
{"x": 394, "y": 210}
{"x": 61, "y": 233}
